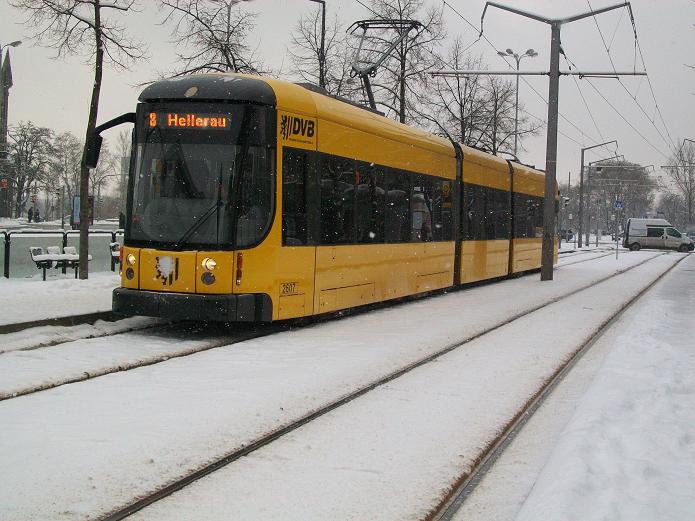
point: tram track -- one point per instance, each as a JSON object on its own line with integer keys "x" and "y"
{"x": 109, "y": 316}
{"x": 452, "y": 502}
{"x": 248, "y": 332}
{"x": 60, "y": 338}
{"x": 66, "y": 321}
{"x": 260, "y": 331}
{"x": 274, "y": 435}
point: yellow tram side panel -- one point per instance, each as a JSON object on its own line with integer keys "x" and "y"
{"x": 294, "y": 277}
{"x": 481, "y": 260}
{"x": 286, "y": 274}
{"x": 354, "y": 275}
{"x": 526, "y": 252}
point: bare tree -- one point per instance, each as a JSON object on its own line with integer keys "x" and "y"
{"x": 681, "y": 172}
{"x": 305, "y": 52}
{"x": 674, "y": 208}
{"x": 398, "y": 86}
{"x": 65, "y": 163}
{"x": 455, "y": 106}
{"x": 474, "y": 110}
{"x": 29, "y": 151}
{"x": 106, "y": 168}
{"x": 123, "y": 151}
{"x": 80, "y": 27}
{"x": 216, "y": 32}
{"x": 624, "y": 181}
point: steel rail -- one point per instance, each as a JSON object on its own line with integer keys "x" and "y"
{"x": 268, "y": 329}
{"x": 127, "y": 366}
{"x": 70, "y": 320}
{"x": 453, "y": 501}
{"x": 262, "y": 441}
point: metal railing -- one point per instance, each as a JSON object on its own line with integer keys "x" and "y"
{"x": 64, "y": 233}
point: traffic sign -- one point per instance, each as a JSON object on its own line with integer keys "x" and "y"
{"x": 618, "y": 205}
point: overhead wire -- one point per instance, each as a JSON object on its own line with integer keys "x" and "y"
{"x": 615, "y": 109}
{"x": 586, "y": 105}
{"x": 494, "y": 47}
{"x": 670, "y": 145}
{"x": 526, "y": 82}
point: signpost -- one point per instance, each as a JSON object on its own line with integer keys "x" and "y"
{"x": 618, "y": 205}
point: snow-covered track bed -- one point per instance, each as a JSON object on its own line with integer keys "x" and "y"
{"x": 395, "y": 452}
{"x": 30, "y": 370}
{"x": 118, "y": 438}
{"x": 448, "y": 508}
{"x": 569, "y": 260}
{"x": 66, "y": 321}
{"x": 84, "y": 352}
{"x": 52, "y": 334}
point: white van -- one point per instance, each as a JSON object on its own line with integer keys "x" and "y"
{"x": 655, "y": 233}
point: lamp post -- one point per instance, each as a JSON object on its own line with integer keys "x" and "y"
{"x": 5, "y": 84}
{"x": 322, "y": 51}
{"x": 581, "y": 190}
{"x": 589, "y": 191}
{"x": 529, "y": 53}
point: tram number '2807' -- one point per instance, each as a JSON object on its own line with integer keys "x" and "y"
{"x": 288, "y": 288}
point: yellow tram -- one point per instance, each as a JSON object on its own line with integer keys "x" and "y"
{"x": 253, "y": 199}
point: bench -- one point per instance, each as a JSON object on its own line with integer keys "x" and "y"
{"x": 54, "y": 258}
{"x": 43, "y": 260}
{"x": 115, "y": 248}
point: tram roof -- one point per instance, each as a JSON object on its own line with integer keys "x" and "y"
{"x": 211, "y": 86}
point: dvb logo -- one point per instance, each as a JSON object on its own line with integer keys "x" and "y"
{"x": 295, "y": 128}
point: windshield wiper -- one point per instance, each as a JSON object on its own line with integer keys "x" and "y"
{"x": 203, "y": 218}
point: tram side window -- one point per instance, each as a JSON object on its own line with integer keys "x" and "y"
{"x": 337, "y": 189}
{"x": 536, "y": 212}
{"x": 442, "y": 210}
{"x": 369, "y": 204}
{"x": 474, "y": 202}
{"x": 255, "y": 198}
{"x": 521, "y": 216}
{"x": 499, "y": 214}
{"x": 528, "y": 216}
{"x": 421, "y": 209}
{"x": 397, "y": 215}
{"x": 294, "y": 207}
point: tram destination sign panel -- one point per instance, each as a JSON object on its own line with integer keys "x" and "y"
{"x": 189, "y": 120}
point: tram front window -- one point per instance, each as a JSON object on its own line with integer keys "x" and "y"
{"x": 202, "y": 188}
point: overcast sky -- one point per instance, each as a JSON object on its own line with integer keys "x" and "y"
{"x": 55, "y": 93}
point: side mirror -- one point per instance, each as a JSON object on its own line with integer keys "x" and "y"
{"x": 93, "y": 149}
{"x": 94, "y": 140}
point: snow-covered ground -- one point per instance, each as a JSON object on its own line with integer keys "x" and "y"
{"x": 629, "y": 450}
{"x": 27, "y": 300}
{"x": 80, "y": 450}
{"x": 616, "y": 440}
{"x": 49, "y": 366}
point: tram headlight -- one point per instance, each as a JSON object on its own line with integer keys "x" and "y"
{"x": 130, "y": 259}
{"x": 208, "y": 264}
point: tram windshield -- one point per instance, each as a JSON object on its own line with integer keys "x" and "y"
{"x": 203, "y": 176}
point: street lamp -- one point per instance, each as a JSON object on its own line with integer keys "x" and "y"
{"x": 581, "y": 190}
{"x": 5, "y": 84}
{"x": 529, "y": 53}
{"x": 322, "y": 51}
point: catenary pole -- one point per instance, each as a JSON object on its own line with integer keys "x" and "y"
{"x": 551, "y": 143}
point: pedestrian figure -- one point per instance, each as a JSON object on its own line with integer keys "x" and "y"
{"x": 30, "y": 214}
{"x": 37, "y": 217}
